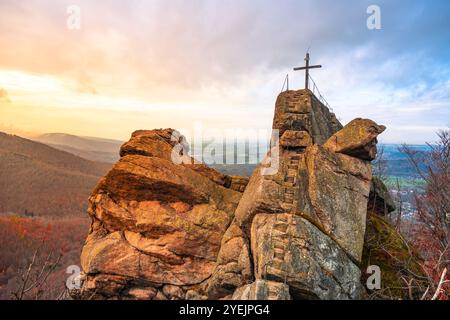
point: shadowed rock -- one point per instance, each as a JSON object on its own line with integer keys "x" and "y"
{"x": 380, "y": 200}
{"x": 357, "y": 139}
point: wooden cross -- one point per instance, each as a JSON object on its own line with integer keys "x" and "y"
{"x": 307, "y": 67}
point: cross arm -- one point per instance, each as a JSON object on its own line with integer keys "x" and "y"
{"x": 309, "y": 67}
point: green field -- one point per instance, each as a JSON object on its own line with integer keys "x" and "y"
{"x": 405, "y": 182}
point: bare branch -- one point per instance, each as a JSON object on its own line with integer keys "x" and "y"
{"x": 441, "y": 282}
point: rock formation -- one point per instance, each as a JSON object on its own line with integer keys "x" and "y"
{"x": 167, "y": 231}
{"x": 156, "y": 226}
{"x": 293, "y": 227}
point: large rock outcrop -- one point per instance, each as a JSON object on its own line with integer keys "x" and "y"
{"x": 156, "y": 226}
{"x": 304, "y": 225}
{"x": 162, "y": 230}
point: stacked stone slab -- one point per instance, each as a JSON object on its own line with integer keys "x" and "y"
{"x": 303, "y": 227}
{"x": 302, "y": 111}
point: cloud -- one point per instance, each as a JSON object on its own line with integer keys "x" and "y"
{"x": 4, "y": 97}
{"x": 211, "y": 52}
{"x": 85, "y": 85}
{"x": 197, "y": 43}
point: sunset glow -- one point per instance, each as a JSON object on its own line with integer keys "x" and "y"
{"x": 154, "y": 64}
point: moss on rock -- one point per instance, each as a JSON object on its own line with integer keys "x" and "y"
{"x": 398, "y": 261}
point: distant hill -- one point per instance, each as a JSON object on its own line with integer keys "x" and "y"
{"x": 244, "y": 170}
{"x": 95, "y": 149}
{"x": 107, "y": 150}
{"x": 396, "y": 162}
{"x": 41, "y": 180}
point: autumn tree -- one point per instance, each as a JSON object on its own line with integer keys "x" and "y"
{"x": 431, "y": 233}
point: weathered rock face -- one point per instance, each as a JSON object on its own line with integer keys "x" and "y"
{"x": 162, "y": 230}
{"x": 234, "y": 267}
{"x": 263, "y": 290}
{"x": 338, "y": 188}
{"x": 291, "y": 250}
{"x": 157, "y": 226}
{"x": 322, "y": 192}
{"x": 358, "y": 139}
{"x": 301, "y": 110}
{"x": 238, "y": 183}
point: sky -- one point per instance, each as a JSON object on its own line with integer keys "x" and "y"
{"x": 155, "y": 64}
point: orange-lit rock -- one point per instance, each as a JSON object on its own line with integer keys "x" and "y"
{"x": 157, "y": 224}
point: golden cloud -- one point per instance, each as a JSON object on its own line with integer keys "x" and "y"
{"x": 4, "y": 96}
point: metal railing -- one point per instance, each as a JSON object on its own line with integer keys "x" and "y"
{"x": 316, "y": 92}
{"x": 286, "y": 83}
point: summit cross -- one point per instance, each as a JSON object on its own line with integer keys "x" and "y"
{"x": 306, "y": 68}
